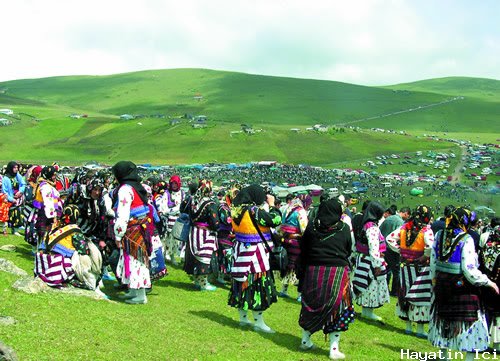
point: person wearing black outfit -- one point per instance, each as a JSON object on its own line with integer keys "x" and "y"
{"x": 326, "y": 292}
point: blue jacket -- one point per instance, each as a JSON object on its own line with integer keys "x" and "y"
{"x": 7, "y": 186}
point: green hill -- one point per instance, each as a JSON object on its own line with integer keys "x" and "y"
{"x": 486, "y": 89}
{"x": 44, "y": 131}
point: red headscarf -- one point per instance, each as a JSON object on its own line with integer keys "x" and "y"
{"x": 35, "y": 172}
{"x": 175, "y": 179}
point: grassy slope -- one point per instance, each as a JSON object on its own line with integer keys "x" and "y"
{"x": 177, "y": 324}
{"x": 478, "y": 112}
{"x": 486, "y": 89}
{"x": 272, "y": 103}
{"x": 110, "y": 140}
{"x": 227, "y": 96}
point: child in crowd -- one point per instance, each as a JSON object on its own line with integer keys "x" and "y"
{"x": 4, "y": 209}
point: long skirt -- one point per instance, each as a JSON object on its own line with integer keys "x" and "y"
{"x": 201, "y": 256}
{"x": 42, "y": 225}
{"x": 253, "y": 286}
{"x": 292, "y": 246}
{"x": 414, "y": 294}
{"x": 326, "y": 299}
{"x": 370, "y": 291}
{"x": 458, "y": 321}
{"x": 138, "y": 277}
{"x": 257, "y": 293}
{"x": 224, "y": 253}
{"x": 470, "y": 337}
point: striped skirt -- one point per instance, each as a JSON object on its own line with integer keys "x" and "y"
{"x": 171, "y": 218}
{"x": 414, "y": 297}
{"x": 53, "y": 269}
{"x": 370, "y": 290}
{"x": 326, "y": 299}
{"x": 249, "y": 259}
{"x": 201, "y": 255}
{"x": 202, "y": 243}
{"x": 292, "y": 247}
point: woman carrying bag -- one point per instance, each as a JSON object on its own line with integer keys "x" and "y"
{"x": 253, "y": 285}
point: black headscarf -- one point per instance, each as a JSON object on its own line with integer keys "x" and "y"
{"x": 373, "y": 212}
{"x": 9, "y": 171}
{"x": 253, "y": 194}
{"x": 126, "y": 172}
{"x": 329, "y": 214}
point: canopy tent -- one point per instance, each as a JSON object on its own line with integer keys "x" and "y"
{"x": 416, "y": 191}
{"x": 281, "y": 192}
{"x": 484, "y": 211}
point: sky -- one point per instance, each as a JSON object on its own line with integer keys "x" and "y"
{"x": 368, "y": 42}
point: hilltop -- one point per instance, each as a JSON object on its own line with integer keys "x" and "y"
{"x": 485, "y": 89}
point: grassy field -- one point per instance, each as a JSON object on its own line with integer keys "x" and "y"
{"x": 178, "y": 323}
{"x": 273, "y": 104}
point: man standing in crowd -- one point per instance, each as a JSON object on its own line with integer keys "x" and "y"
{"x": 394, "y": 221}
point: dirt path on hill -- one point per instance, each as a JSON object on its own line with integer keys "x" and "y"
{"x": 457, "y": 175}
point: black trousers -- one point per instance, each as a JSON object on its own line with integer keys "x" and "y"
{"x": 393, "y": 259}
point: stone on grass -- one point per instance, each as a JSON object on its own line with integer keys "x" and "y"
{"x": 7, "y": 321}
{"x": 6, "y": 353}
{"x": 30, "y": 285}
{"x": 9, "y": 267}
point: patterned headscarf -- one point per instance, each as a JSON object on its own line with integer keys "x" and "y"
{"x": 458, "y": 222}
{"x": 96, "y": 182}
{"x": 162, "y": 187}
{"x": 70, "y": 214}
{"x": 202, "y": 195}
{"x": 149, "y": 191}
{"x": 232, "y": 193}
{"x": 46, "y": 175}
{"x": 420, "y": 218}
{"x": 253, "y": 195}
{"x": 33, "y": 173}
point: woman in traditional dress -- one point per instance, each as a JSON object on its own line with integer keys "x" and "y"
{"x": 490, "y": 264}
{"x": 32, "y": 175}
{"x": 326, "y": 293}
{"x": 47, "y": 203}
{"x": 294, "y": 222}
{"x": 201, "y": 256}
{"x": 130, "y": 201}
{"x": 90, "y": 220}
{"x": 13, "y": 185}
{"x": 413, "y": 241}
{"x": 68, "y": 256}
{"x": 370, "y": 284}
{"x": 4, "y": 209}
{"x": 173, "y": 198}
{"x": 458, "y": 321}
{"x": 253, "y": 214}
{"x": 225, "y": 234}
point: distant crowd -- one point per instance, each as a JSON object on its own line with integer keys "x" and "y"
{"x": 125, "y": 225}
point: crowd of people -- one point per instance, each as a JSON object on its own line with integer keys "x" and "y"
{"x": 116, "y": 224}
